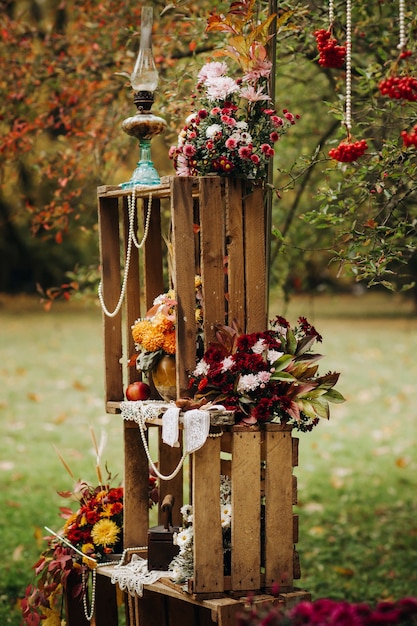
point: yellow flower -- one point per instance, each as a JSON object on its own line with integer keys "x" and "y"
{"x": 70, "y": 521}
{"x": 105, "y": 532}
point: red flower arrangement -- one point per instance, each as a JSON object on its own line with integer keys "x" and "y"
{"x": 89, "y": 536}
{"x": 267, "y": 376}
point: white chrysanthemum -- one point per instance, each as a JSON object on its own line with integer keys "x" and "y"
{"x": 212, "y": 70}
{"x": 273, "y": 355}
{"x": 248, "y": 382}
{"x": 242, "y": 125}
{"x": 202, "y": 368}
{"x": 221, "y": 87}
{"x": 227, "y": 363}
{"x": 212, "y": 130}
{"x": 259, "y": 346}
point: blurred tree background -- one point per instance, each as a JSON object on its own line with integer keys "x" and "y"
{"x": 65, "y": 91}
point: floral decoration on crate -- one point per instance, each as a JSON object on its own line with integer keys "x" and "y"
{"x": 234, "y": 127}
{"x": 269, "y": 376}
{"x": 154, "y": 335}
{"x": 91, "y": 536}
{"x": 181, "y": 567}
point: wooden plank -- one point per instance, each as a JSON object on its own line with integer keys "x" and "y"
{"x": 168, "y": 461}
{"x": 235, "y": 253}
{"x": 133, "y": 296}
{"x": 208, "y": 540}
{"x": 278, "y": 515}
{"x": 246, "y": 505}
{"x": 74, "y": 608}
{"x": 106, "y": 603}
{"x": 255, "y": 261}
{"x": 149, "y": 610}
{"x": 108, "y": 216}
{"x": 153, "y": 266}
{"x": 184, "y": 277}
{"x": 136, "y": 490}
{"x": 212, "y": 233}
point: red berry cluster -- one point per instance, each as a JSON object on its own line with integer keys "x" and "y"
{"x": 405, "y": 54}
{"x": 347, "y": 151}
{"x": 331, "y": 54}
{"x": 410, "y": 139}
{"x": 399, "y": 88}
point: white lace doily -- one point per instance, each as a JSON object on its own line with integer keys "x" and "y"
{"x": 134, "y": 575}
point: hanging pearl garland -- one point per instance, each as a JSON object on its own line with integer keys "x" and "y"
{"x": 348, "y": 101}
{"x": 401, "y": 18}
{"x": 131, "y": 203}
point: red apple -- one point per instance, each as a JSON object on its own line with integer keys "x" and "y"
{"x": 138, "y": 391}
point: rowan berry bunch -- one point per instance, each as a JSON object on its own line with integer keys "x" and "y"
{"x": 348, "y": 151}
{"x": 410, "y": 139}
{"x": 405, "y": 54}
{"x": 399, "y": 88}
{"x": 331, "y": 53}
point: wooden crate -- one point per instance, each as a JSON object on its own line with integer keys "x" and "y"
{"x": 217, "y": 228}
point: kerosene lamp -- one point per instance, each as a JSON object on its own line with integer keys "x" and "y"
{"x": 144, "y": 125}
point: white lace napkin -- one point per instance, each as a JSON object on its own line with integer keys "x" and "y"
{"x": 196, "y": 429}
{"x": 170, "y": 421}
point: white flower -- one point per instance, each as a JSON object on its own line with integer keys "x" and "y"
{"x": 187, "y": 513}
{"x": 242, "y": 125}
{"x": 212, "y": 70}
{"x": 202, "y": 368}
{"x": 273, "y": 355}
{"x": 183, "y": 537}
{"x": 248, "y": 382}
{"x": 212, "y": 130}
{"x": 221, "y": 87}
{"x": 259, "y": 346}
{"x": 227, "y": 363}
{"x": 226, "y": 516}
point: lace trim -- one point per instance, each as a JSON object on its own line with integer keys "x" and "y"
{"x": 133, "y": 576}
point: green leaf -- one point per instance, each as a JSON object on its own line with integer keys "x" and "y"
{"x": 286, "y": 376}
{"x": 334, "y": 396}
{"x": 291, "y": 341}
{"x": 282, "y": 362}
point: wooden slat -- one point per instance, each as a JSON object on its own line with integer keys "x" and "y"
{"x": 108, "y": 216}
{"x": 279, "y": 516}
{"x": 133, "y": 295}
{"x": 184, "y": 272}
{"x": 168, "y": 461}
{"x": 136, "y": 489}
{"x": 295, "y": 446}
{"x": 246, "y": 506}
{"x": 212, "y": 231}
{"x": 153, "y": 272}
{"x": 208, "y": 541}
{"x": 235, "y": 253}
{"x": 106, "y": 612}
{"x": 255, "y": 261}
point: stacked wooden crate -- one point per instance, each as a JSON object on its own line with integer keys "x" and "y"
{"x": 217, "y": 228}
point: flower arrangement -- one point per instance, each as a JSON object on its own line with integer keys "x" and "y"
{"x": 326, "y": 611}
{"x": 235, "y": 126}
{"x": 89, "y": 536}
{"x": 154, "y": 335}
{"x": 267, "y": 376}
{"x": 182, "y": 566}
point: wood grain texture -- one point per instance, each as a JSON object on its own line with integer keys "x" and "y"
{"x": 212, "y": 238}
{"x": 235, "y": 253}
{"x": 278, "y": 513}
{"x": 108, "y": 215}
{"x": 246, "y": 505}
{"x": 208, "y": 540}
{"x": 136, "y": 486}
{"x": 255, "y": 261}
{"x": 184, "y": 276}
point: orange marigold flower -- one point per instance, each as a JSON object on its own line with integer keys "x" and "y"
{"x": 169, "y": 343}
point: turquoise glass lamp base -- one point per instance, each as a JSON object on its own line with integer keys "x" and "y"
{"x": 145, "y": 173}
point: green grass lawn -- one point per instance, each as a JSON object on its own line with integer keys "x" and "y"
{"x": 357, "y": 475}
